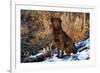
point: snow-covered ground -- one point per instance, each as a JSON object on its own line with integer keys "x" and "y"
{"x": 83, "y": 51}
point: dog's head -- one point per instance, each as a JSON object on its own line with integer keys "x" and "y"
{"x": 56, "y": 22}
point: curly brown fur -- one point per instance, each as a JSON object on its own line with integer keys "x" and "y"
{"x": 61, "y": 40}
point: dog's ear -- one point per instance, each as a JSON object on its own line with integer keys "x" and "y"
{"x": 52, "y": 19}
{"x": 59, "y": 20}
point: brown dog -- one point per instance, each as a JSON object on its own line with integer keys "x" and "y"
{"x": 61, "y": 40}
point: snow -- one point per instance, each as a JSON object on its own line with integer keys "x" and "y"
{"x": 53, "y": 59}
{"x": 34, "y": 56}
{"x": 83, "y": 51}
{"x": 82, "y": 44}
{"x": 84, "y": 55}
